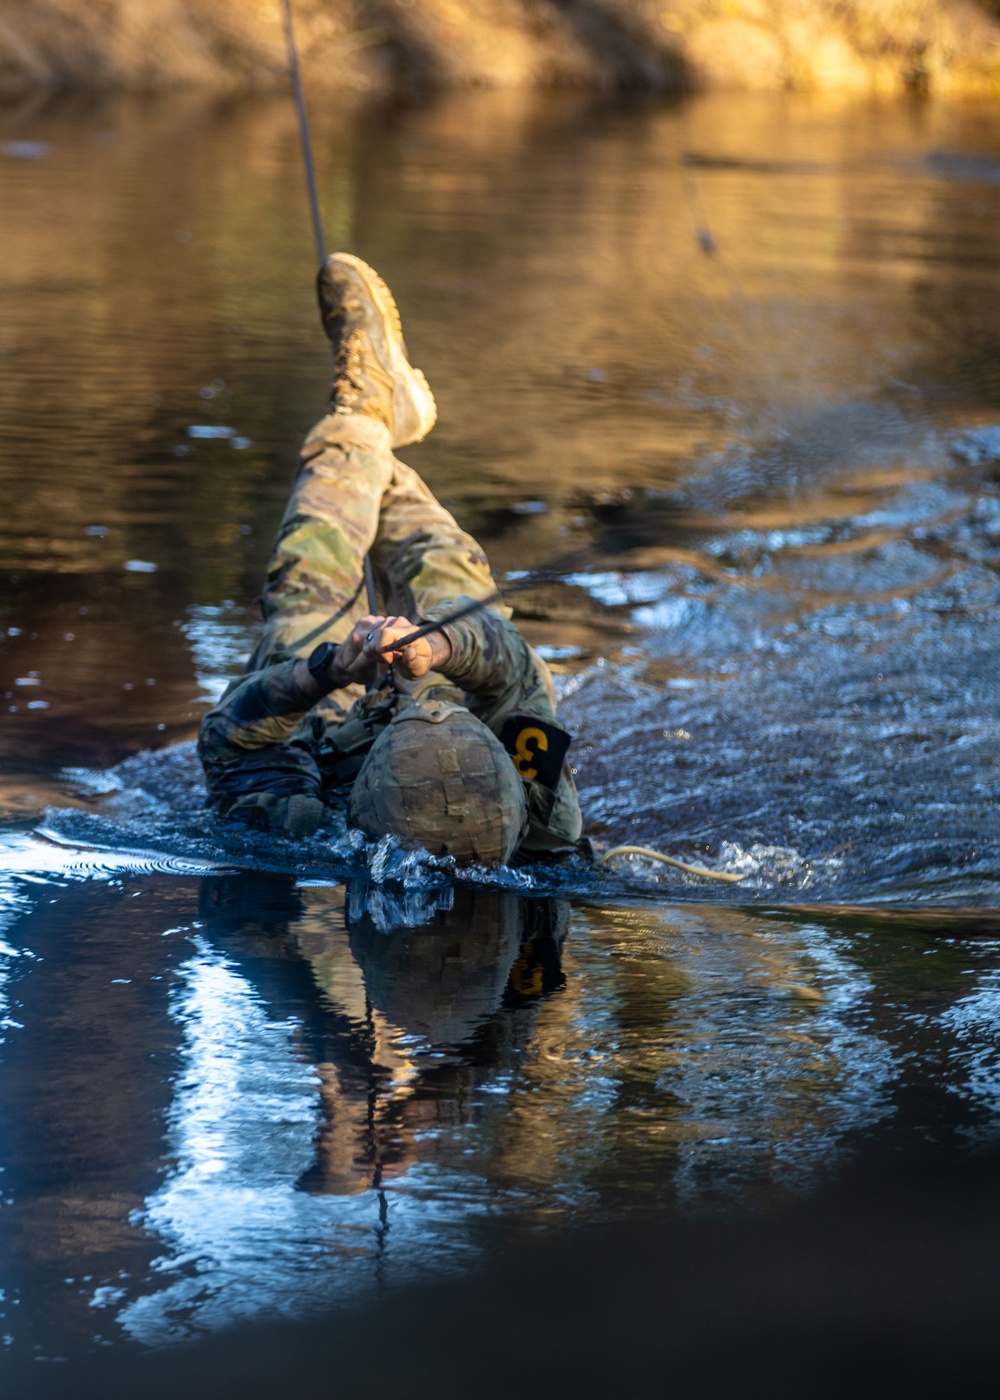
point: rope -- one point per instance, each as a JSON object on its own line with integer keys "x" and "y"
{"x": 307, "y": 156}
{"x": 317, "y": 223}
{"x": 670, "y": 860}
{"x": 370, "y": 586}
{"x": 374, "y": 683}
{"x": 302, "y": 642}
{"x": 533, "y": 579}
{"x": 709, "y": 244}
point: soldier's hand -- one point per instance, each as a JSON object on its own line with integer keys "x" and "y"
{"x": 426, "y": 654}
{"x": 352, "y": 657}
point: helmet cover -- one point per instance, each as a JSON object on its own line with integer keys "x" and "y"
{"x": 437, "y": 777}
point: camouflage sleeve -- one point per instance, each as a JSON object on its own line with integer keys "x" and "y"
{"x": 258, "y": 711}
{"x": 491, "y": 661}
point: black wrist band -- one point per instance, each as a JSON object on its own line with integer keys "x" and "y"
{"x": 318, "y": 662}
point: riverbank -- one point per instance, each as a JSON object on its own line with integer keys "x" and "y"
{"x": 382, "y": 46}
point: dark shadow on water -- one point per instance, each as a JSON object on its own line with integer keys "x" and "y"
{"x": 886, "y": 1286}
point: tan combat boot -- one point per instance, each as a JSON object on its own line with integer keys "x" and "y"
{"x": 372, "y": 374}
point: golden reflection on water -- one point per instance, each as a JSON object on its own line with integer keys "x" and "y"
{"x": 544, "y": 256}
{"x": 157, "y": 275}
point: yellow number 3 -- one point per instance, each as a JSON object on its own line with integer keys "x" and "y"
{"x": 524, "y": 759}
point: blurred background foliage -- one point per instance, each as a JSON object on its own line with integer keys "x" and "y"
{"x": 391, "y": 45}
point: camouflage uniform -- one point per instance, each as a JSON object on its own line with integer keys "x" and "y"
{"x": 264, "y": 741}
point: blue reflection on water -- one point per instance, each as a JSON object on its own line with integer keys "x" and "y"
{"x": 242, "y": 1239}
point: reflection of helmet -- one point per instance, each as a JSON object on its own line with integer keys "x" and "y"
{"x": 438, "y": 778}
{"x": 443, "y": 979}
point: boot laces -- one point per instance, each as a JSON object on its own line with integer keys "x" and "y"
{"x": 348, "y": 371}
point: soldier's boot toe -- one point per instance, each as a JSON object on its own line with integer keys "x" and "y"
{"x": 297, "y": 816}
{"x": 303, "y": 815}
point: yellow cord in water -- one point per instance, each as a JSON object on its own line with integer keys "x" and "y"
{"x": 669, "y": 860}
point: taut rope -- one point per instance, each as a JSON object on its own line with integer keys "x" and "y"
{"x": 317, "y": 221}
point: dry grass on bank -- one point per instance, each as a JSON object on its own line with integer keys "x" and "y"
{"x": 950, "y": 46}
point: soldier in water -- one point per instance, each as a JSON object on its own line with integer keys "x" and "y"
{"x": 457, "y": 750}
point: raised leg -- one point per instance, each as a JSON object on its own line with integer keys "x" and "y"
{"x": 351, "y": 496}
{"x": 316, "y": 575}
{"x": 421, "y": 556}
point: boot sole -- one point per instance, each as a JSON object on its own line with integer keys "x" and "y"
{"x": 413, "y": 408}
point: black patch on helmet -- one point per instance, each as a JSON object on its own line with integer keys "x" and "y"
{"x": 537, "y": 748}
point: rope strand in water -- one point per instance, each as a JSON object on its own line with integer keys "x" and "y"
{"x": 670, "y": 860}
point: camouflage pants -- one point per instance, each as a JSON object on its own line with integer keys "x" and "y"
{"x": 351, "y": 497}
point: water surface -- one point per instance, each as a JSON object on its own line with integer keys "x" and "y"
{"x": 728, "y": 373}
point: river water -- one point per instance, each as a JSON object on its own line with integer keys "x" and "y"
{"x": 729, "y": 374}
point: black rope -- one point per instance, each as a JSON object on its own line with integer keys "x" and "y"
{"x": 330, "y": 621}
{"x": 307, "y": 157}
{"x": 454, "y": 616}
{"x": 570, "y": 563}
{"x": 317, "y": 223}
{"x": 370, "y": 585}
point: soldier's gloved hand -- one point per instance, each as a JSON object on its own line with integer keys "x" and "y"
{"x": 429, "y": 653}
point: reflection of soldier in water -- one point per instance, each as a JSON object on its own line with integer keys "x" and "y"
{"x": 460, "y": 755}
{"x": 409, "y": 1001}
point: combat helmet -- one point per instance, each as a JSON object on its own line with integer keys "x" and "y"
{"x": 437, "y": 777}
